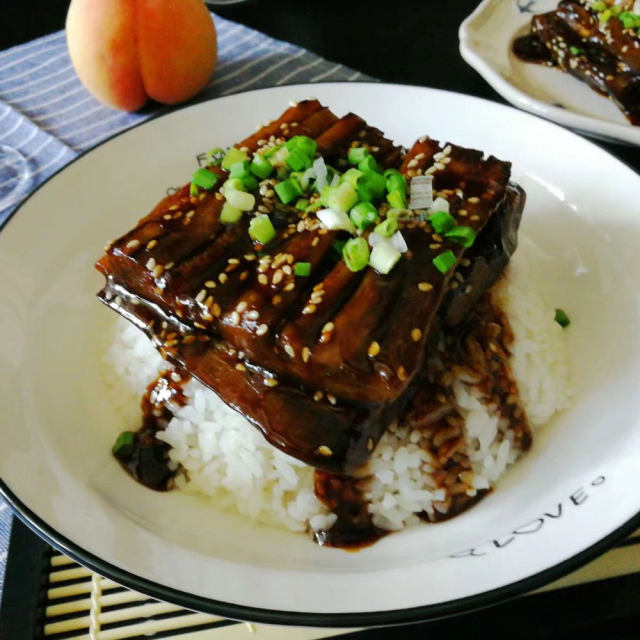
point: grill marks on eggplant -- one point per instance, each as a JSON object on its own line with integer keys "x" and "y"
{"x": 293, "y": 354}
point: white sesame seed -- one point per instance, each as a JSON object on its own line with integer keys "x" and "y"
{"x": 242, "y": 306}
{"x": 151, "y": 263}
{"x": 262, "y": 329}
{"x": 252, "y": 315}
{"x": 132, "y": 244}
{"x": 270, "y": 382}
{"x": 223, "y": 278}
{"x": 374, "y": 349}
{"x": 202, "y": 294}
{"x": 323, "y": 450}
{"x": 306, "y": 354}
{"x": 289, "y": 350}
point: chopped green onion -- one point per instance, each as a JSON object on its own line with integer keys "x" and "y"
{"x": 193, "y": 189}
{"x": 461, "y": 235}
{"x": 272, "y": 151}
{"x": 302, "y": 204}
{"x": 240, "y": 199}
{"x": 230, "y": 214}
{"x": 562, "y": 318}
{"x": 599, "y": 6}
{"x": 279, "y": 157}
{"x": 335, "y": 220}
{"x": 232, "y": 184}
{"x": 297, "y": 161}
{"x": 357, "y": 155}
{"x": 261, "y": 229}
{"x": 239, "y": 170}
{"x": 395, "y": 181}
{"x": 605, "y": 16}
{"x": 352, "y": 176}
{"x": 384, "y": 257}
{"x": 387, "y": 227}
{"x": 307, "y": 178}
{"x": 232, "y": 156}
{"x": 369, "y": 163}
{"x": 615, "y": 9}
{"x": 356, "y": 254}
{"x": 302, "y": 269}
{"x": 397, "y": 200}
{"x": 249, "y": 182}
{"x": 363, "y": 215}
{"x": 288, "y": 189}
{"x": 124, "y": 445}
{"x": 444, "y": 261}
{"x": 215, "y": 156}
{"x": 282, "y": 172}
{"x": 261, "y": 167}
{"x": 629, "y": 20}
{"x": 303, "y": 144}
{"x": 576, "y": 51}
{"x": 340, "y": 198}
{"x": 371, "y": 186}
{"x": 441, "y": 221}
{"x": 204, "y": 178}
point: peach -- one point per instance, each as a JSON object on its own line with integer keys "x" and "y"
{"x": 126, "y": 51}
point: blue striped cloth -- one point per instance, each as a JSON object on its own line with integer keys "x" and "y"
{"x": 48, "y": 115}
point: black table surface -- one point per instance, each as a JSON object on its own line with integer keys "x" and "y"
{"x": 409, "y": 42}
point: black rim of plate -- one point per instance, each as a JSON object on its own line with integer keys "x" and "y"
{"x": 272, "y": 616}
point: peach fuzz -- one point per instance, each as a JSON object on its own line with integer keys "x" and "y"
{"x": 126, "y": 51}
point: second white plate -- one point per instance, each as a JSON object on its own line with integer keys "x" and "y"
{"x": 485, "y": 43}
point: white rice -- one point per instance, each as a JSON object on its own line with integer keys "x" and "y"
{"x": 223, "y": 456}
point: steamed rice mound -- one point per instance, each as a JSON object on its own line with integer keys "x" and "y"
{"x": 218, "y": 453}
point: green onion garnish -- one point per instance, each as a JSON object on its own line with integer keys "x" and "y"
{"x": 629, "y": 20}
{"x": 261, "y": 229}
{"x": 296, "y": 160}
{"x": 562, "y": 318}
{"x": 352, "y": 176}
{"x": 363, "y": 215}
{"x": 357, "y": 155}
{"x": 232, "y": 156}
{"x": 397, "y": 199}
{"x": 204, "y": 178}
{"x": 193, "y": 189}
{"x": 356, "y": 254}
{"x": 240, "y": 199}
{"x": 599, "y": 6}
{"x": 441, "y": 221}
{"x": 261, "y": 167}
{"x": 371, "y": 186}
{"x": 288, "y": 189}
{"x": 249, "y": 182}
{"x": 461, "y": 235}
{"x": 215, "y": 156}
{"x": 302, "y": 144}
{"x": 576, "y": 51}
{"x": 302, "y": 269}
{"x": 230, "y": 214}
{"x": 239, "y": 170}
{"x": 369, "y": 163}
{"x": 444, "y": 261}
{"x": 395, "y": 181}
{"x": 605, "y": 16}
{"x": 387, "y": 227}
{"x": 384, "y": 257}
{"x": 340, "y": 198}
{"x": 302, "y": 204}
{"x": 124, "y": 445}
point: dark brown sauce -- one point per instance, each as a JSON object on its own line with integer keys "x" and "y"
{"x": 343, "y": 495}
{"x": 480, "y": 347}
{"x": 531, "y": 49}
{"x": 148, "y": 462}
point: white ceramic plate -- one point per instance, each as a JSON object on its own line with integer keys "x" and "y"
{"x": 486, "y": 37}
{"x": 574, "y": 494}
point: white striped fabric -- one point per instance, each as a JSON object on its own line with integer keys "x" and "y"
{"x": 47, "y": 114}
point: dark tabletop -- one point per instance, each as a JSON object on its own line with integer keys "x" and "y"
{"x": 412, "y": 42}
